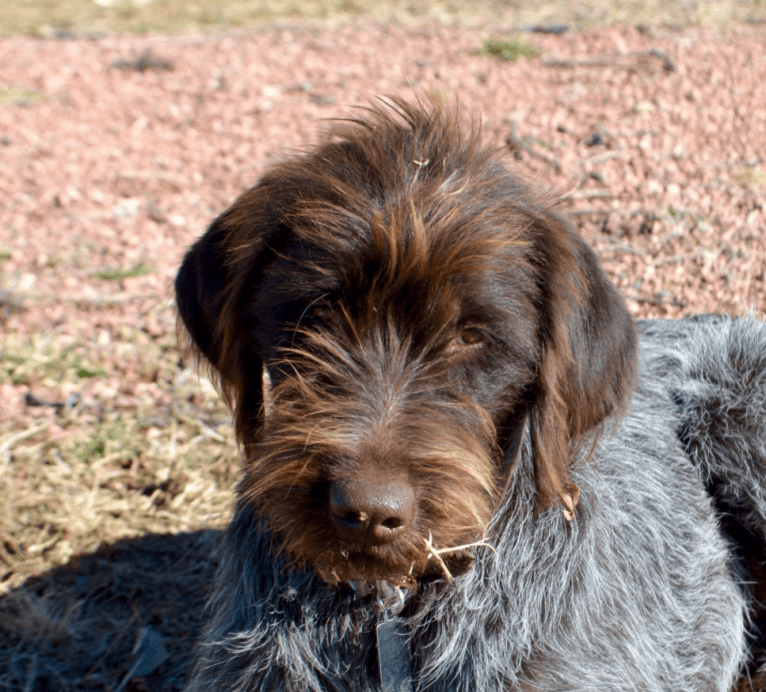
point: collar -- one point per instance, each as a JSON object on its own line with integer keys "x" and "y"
{"x": 391, "y": 635}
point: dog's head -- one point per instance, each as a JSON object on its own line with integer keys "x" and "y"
{"x": 385, "y": 314}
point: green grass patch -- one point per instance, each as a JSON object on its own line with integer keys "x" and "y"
{"x": 113, "y": 436}
{"x": 510, "y": 49}
{"x": 87, "y": 373}
{"x": 37, "y": 362}
{"x": 20, "y": 96}
{"x": 120, "y": 273}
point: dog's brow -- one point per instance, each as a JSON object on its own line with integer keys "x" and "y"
{"x": 303, "y": 314}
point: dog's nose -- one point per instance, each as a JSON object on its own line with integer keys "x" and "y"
{"x": 377, "y": 513}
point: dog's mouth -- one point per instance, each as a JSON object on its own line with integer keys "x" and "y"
{"x": 363, "y": 531}
{"x": 361, "y": 567}
{"x": 348, "y": 548}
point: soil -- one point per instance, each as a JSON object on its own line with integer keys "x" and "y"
{"x": 117, "y": 151}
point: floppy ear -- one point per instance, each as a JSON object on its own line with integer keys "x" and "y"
{"x": 201, "y": 290}
{"x": 588, "y": 357}
{"x": 209, "y": 288}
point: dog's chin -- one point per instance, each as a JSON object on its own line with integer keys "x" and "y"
{"x": 364, "y": 568}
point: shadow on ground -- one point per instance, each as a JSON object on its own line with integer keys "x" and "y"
{"x": 122, "y": 619}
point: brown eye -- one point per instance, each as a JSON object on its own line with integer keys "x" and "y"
{"x": 470, "y": 336}
{"x": 467, "y": 337}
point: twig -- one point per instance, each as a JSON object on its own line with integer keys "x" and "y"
{"x": 432, "y": 552}
{"x": 516, "y": 144}
{"x": 436, "y": 553}
{"x": 7, "y": 444}
{"x": 626, "y": 61}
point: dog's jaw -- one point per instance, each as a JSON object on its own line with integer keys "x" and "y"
{"x": 440, "y": 565}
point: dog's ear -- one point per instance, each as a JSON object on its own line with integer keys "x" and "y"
{"x": 210, "y": 285}
{"x": 588, "y": 357}
{"x": 201, "y": 290}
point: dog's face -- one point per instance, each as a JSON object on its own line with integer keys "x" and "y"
{"x": 386, "y": 315}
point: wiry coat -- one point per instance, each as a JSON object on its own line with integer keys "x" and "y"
{"x": 643, "y": 588}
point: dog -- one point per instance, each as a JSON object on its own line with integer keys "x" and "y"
{"x": 466, "y": 468}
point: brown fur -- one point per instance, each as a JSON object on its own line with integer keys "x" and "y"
{"x": 415, "y": 309}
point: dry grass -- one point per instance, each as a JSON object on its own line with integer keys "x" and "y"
{"x": 57, "y": 17}
{"x": 77, "y": 484}
{"x": 77, "y": 476}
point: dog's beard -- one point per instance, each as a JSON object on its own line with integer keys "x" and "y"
{"x": 356, "y": 567}
{"x": 432, "y": 564}
{"x": 336, "y": 567}
{"x": 436, "y": 545}
{"x": 402, "y": 564}
{"x": 313, "y": 437}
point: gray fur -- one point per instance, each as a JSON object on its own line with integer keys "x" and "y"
{"x": 640, "y": 592}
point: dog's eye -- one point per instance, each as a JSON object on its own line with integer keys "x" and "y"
{"x": 470, "y": 336}
{"x": 321, "y": 316}
{"x": 466, "y": 337}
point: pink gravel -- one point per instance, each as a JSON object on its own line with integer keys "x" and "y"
{"x": 658, "y": 138}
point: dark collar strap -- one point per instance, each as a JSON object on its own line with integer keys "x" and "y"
{"x": 394, "y": 658}
{"x": 391, "y": 635}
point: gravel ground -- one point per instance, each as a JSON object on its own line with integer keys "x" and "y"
{"x": 115, "y": 153}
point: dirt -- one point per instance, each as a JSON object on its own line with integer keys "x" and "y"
{"x": 116, "y": 152}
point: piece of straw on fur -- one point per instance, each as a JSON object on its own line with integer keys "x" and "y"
{"x": 436, "y": 553}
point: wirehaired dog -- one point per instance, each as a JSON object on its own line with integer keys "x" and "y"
{"x": 466, "y": 468}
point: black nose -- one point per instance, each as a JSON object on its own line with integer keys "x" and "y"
{"x": 377, "y": 513}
